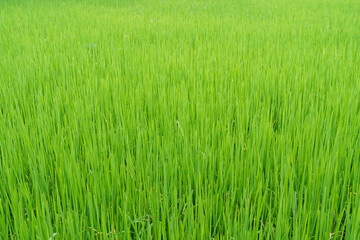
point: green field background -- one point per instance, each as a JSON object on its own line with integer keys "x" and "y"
{"x": 180, "y": 119}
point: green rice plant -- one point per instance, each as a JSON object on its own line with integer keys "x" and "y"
{"x": 179, "y": 119}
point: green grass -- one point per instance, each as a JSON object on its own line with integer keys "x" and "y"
{"x": 180, "y": 119}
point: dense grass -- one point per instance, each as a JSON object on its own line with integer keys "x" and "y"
{"x": 180, "y": 119}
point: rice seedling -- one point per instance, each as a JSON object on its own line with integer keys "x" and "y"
{"x": 179, "y": 119}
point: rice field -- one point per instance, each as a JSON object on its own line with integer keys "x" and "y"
{"x": 155, "y": 119}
